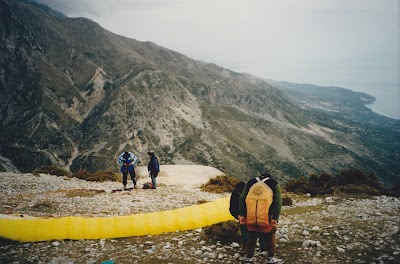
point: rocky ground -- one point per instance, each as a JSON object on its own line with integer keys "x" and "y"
{"x": 349, "y": 229}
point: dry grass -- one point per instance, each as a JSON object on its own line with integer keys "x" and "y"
{"x": 44, "y": 206}
{"x": 287, "y": 200}
{"x": 220, "y": 184}
{"x": 298, "y": 210}
{"x": 225, "y": 232}
{"x": 99, "y": 176}
{"x": 81, "y": 193}
{"x": 52, "y": 170}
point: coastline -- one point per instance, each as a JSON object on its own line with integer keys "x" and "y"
{"x": 387, "y": 98}
{"x": 379, "y": 112}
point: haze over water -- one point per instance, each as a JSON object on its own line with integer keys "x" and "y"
{"x": 387, "y": 98}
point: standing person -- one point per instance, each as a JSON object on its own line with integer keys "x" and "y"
{"x": 234, "y": 210}
{"x": 127, "y": 160}
{"x": 153, "y": 167}
{"x": 260, "y": 205}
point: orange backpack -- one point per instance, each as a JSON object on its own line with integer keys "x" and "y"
{"x": 258, "y": 201}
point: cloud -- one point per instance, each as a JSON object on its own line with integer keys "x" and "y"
{"x": 329, "y": 42}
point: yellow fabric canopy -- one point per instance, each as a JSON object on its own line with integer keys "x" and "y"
{"x": 34, "y": 229}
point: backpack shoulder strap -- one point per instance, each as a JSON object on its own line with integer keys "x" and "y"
{"x": 265, "y": 179}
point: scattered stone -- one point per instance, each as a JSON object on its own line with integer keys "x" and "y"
{"x": 212, "y": 255}
{"x": 149, "y": 251}
{"x": 340, "y": 250}
{"x": 235, "y": 245}
{"x": 60, "y": 260}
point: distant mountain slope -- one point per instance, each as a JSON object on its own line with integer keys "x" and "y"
{"x": 76, "y": 95}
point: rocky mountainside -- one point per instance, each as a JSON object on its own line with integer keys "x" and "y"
{"x": 75, "y": 95}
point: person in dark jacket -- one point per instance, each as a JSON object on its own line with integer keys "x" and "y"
{"x": 153, "y": 168}
{"x": 267, "y": 240}
{"x": 234, "y": 210}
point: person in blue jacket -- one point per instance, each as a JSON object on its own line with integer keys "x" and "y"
{"x": 127, "y": 160}
{"x": 153, "y": 167}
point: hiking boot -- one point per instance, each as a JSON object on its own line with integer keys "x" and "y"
{"x": 274, "y": 260}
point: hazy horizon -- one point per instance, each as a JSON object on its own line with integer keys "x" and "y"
{"x": 353, "y": 44}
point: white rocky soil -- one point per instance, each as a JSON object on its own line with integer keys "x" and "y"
{"x": 313, "y": 230}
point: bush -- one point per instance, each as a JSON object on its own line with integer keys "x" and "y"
{"x": 298, "y": 186}
{"x": 52, "y": 170}
{"x": 99, "y": 176}
{"x": 220, "y": 184}
{"x": 226, "y": 232}
{"x": 102, "y": 176}
{"x": 82, "y": 174}
{"x": 346, "y": 181}
{"x": 287, "y": 200}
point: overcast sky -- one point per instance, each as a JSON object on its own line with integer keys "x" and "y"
{"x": 348, "y": 43}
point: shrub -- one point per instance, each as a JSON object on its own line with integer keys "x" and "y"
{"x": 99, "y": 176}
{"x": 220, "y": 184}
{"x": 226, "y": 232}
{"x": 52, "y": 170}
{"x": 299, "y": 186}
{"x": 358, "y": 177}
{"x": 102, "y": 176}
{"x": 287, "y": 200}
{"x": 81, "y": 174}
{"x": 346, "y": 181}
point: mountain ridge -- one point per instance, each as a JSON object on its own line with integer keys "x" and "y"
{"x": 84, "y": 94}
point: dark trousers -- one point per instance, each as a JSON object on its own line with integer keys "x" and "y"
{"x": 125, "y": 177}
{"x": 244, "y": 232}
{"x": 153, "y": 176}
{"x": 267, "y": 242}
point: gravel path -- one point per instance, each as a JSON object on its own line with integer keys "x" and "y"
{"x": 49, "y": 195}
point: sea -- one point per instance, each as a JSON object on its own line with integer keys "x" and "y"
{"x": 387, "y": 99}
